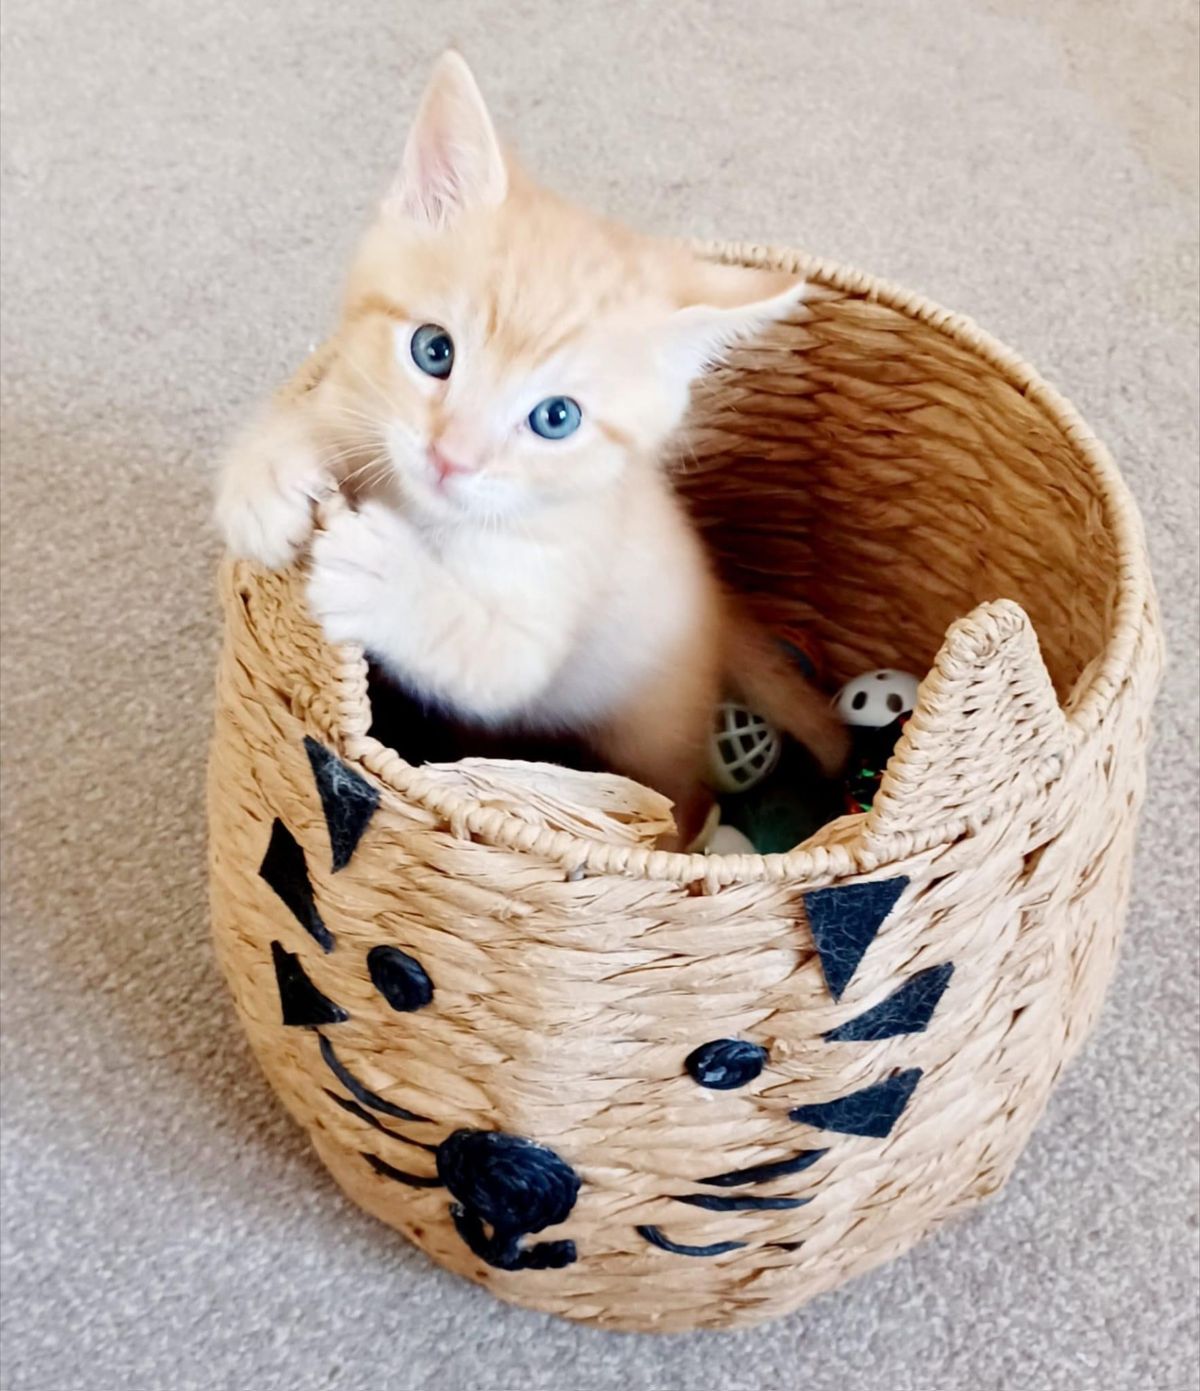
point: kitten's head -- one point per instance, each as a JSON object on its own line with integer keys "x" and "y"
{"x": 504, "y": 351}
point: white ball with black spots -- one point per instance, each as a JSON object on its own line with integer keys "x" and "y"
{"x": 876, "y": 698}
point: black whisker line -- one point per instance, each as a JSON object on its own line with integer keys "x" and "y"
{"x": 656, "y": 1238}
{"x": 364, "y": 1115}
{"x": 356, "y": 1088}
{"x": 381, "y": 1166}
{"x": 712, "y": 1203}
{"x": 760, "y": 1173}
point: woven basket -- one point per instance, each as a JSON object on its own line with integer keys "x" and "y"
{"x": 658, "y": 1091}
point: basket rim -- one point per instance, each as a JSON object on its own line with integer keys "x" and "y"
{"x": 1085, "y": 707}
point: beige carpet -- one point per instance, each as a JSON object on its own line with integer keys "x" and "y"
{"x": 182, "y": 181}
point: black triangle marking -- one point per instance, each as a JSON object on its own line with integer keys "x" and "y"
{"x": 303, "y": 1005}
{"x": 347, "y": 799}
{"x": 872, "y": 1111}
{"x": 844, "y": 921}
{"x": 905, "y": 1011}
{"x": 284, "y": 869}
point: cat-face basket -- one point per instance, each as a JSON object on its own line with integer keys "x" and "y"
{"x": 656, "y": 1091}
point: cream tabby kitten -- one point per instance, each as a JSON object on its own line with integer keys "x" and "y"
{"x": 509, "y": 370}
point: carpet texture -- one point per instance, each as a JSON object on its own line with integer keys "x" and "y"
{"x": 182, "y": 183}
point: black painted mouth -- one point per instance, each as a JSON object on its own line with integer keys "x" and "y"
{"x": 506, "y": 1187}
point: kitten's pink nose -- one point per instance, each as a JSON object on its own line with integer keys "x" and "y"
{"x": 444, "y": 466}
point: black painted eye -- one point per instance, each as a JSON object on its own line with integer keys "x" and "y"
{"x": 433, "y": 350}
{"x": 726, "y": 1063}
{"x": 399, "y": 978}
{"x": 555, "y": 418}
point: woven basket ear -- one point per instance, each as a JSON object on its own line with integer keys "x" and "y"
{"x": 987, "y": 730}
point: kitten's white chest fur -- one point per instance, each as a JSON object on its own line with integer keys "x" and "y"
{"x": 651, "y": 594}
{"x": 557, "y": 629}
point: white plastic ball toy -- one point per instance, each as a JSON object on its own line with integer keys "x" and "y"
{"x": 728, "y": 840}
{"x": 743, "y": 748}
{"x": 876, "y": 698}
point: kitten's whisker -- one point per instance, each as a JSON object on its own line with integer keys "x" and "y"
{"x": 353, "y": 451}
{"x": 376, "y": 462}
{"x": 369, "y": 424}
{"x": 369, "y": 475}
{"x": 348, "y": 468}
{"x": 391, "y": 406}
{"x": 373, "y": 480}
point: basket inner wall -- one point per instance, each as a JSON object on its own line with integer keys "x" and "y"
{"x": 865, "y": 474}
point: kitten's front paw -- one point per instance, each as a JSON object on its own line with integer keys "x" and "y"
{"x": 265, "y": 497}
{"x": 356, "y": 578}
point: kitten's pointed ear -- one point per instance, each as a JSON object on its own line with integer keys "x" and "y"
{"x": 453, "y": 159}
{"x": 723, "y": 305}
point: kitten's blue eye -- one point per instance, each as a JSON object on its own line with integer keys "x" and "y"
{"x": 433, "y": 350}
{"x": 555, "y": 418}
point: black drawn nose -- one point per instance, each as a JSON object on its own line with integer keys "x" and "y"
{"x": 512, "y": 1183}
{"x": 512, "y": 1186}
